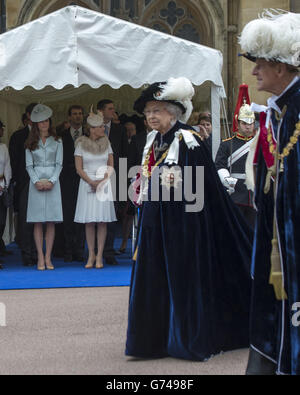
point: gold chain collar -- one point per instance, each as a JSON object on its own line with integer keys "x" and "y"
{"x": 146, "y": 172}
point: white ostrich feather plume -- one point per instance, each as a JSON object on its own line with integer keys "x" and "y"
{"x": 179, "y": 89}
{"x": 274, "y": 36}
{"x": 189, "y": 109}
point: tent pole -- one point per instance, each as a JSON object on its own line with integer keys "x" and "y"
{"x": 216, "y": 123}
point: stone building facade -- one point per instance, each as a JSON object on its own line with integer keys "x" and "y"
{"x": 215, "y": 23}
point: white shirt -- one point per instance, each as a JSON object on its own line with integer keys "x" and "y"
{"x": 108, "y": 125}
{"x": 72, "y": 130}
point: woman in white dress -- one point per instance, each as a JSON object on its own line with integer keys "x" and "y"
{"x": 95, "y": 203}
{"x": 44, "y": 157}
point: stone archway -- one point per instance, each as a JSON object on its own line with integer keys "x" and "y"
{"x": 33, "y": 9}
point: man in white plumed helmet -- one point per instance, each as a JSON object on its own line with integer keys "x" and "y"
{"x": 232, "y": 154}
{"x": 273, "y": 43}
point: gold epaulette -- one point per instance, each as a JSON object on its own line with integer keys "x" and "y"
{"x": 230, "y": 138}
{"x": 194, "y": 132}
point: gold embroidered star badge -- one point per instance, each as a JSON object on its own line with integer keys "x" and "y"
{"x": 171, "y": 177}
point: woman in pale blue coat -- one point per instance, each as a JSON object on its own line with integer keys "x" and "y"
{"x": 44, "y": 157}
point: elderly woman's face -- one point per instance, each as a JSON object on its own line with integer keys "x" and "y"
{"x": 158, "y": 117}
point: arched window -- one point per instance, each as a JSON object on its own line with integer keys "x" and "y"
{"x": 180, "y": 18}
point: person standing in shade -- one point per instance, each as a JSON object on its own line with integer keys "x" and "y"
{"x": 44, "y": 157}
{"x": 5, "y": 178}
{"x": 205, "y": 125}
{"x": 20, "y": 179}
{"x": 272, "y": 43}
{"x": 95, "y": 206}
{"x": 73, "y": 233}
{"x": 118, "y": 139}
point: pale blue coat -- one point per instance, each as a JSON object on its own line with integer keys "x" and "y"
{"x": 45, "y": 163}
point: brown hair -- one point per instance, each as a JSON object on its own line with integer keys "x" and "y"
{"x": 75, "y": 107}
{"x": 32, "y": 141}
{"x": 205, "y": 116}
{"x": 193, "y": 119}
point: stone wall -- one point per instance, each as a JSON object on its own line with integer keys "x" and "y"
{"x": 249, "y": 10}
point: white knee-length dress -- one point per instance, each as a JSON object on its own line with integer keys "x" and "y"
{"x": 94, "y": 206}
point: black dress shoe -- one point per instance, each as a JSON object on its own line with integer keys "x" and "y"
{"x": 28, "y": 263}
{"x": 120, "y": 251}
{"x": 58, "y": 254}
{"x": 68, "y": 258}
{"x": 6, "y": 253}
{"x": 78, "y": 258}
{"x": 258, "y": 365}
{"x": 111, "y": 261}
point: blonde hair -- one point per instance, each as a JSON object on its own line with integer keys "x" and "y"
{"x": 193, "y": 119}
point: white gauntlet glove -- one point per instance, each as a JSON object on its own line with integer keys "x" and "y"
{"x": 227, "y": 181}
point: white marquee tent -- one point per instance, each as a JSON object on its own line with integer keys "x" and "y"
{"x": 78, "y": 55}
{"x": 47, "y": 59}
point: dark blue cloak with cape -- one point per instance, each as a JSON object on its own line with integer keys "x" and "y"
{"x": 273, "y": 331}
{"x": 190, "y": 286}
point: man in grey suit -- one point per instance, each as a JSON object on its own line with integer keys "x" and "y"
{"x": 118, "y": 139}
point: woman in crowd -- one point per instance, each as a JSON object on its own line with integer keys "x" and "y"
{"x": 5, "y": 177}
{"x": 94, "y": 164}
{"x": 44, "y": 156}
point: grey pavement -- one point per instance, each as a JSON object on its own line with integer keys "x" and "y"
{"x": 82, "y": 331}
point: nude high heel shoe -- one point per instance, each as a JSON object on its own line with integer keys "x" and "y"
{"x": 90, "y": 263}
{"x": 49, "y": 265}
{"x": 99, "y": 263}
{"x": 41, "y": 265}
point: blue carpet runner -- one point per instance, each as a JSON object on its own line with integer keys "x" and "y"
{"x": 66, "y": 275}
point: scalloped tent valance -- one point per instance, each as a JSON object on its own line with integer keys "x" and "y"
{"x": 61, "y": 56}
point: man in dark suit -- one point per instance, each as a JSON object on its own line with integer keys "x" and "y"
{"x": 118, "y": 138}
{"x": 136, "y": 146}
{"x": 73, "y": 233}
{"x": 20, "y": 179}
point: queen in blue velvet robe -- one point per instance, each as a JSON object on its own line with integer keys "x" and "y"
{"x": 275, "y": 330}
{"x": 190, "y": 285}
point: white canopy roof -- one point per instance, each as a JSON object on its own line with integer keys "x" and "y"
{"x": 58, "y": 58}
{"x": 78, "y": 56}
{"x": 77, "y": 46}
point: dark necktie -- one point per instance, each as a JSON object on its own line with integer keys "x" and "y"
{"x": 76, "y": 135}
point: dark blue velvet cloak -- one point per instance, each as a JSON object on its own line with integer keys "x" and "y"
{"x": 190, "y": 286}
{"x": 272, "y": 331}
